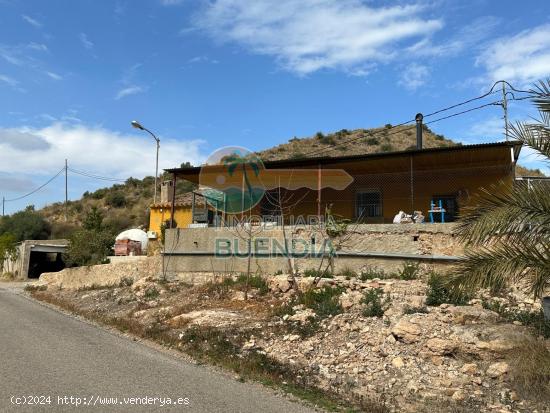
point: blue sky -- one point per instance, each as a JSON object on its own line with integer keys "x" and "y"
{"x": 254, "y": 73}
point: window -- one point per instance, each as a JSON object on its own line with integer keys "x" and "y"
{"x": 368, "y": 204}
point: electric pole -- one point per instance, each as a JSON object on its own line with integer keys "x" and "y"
{"x": 66, "y": 189}
{"x": 505, "y": 107}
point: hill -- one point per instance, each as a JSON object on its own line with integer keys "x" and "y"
{"x": 384, "y": 139}
{"x": 126, "y": 205}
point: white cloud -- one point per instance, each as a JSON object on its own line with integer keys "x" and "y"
{"x": 9, "y": 81}
{"x": 414, "y": 76}
{"x": 54, "y": 76}
{"x": 31, "y": 21}
{"x": 38, "y": 46}
{"x": 87, "y": 43}
{"x": 107, "y": 153}
{"x": 130, "y": 90}
{"x": 202, "y": 59}
{"x": 522, "y": 58}
{"x": 171, "y": 2}
{"x": 310, "y": 35}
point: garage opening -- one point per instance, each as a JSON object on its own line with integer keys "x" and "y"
{"x": 41, "y": 262}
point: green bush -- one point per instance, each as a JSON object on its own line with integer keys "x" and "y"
{"x": 371, "y": 273}
{"x": 315, "y": 273}
{"x": 440, "y": 293}
{"x": 323, "y": 301}
{"x": 409, "y": 271}
{"x": 348, "y": 273}
{"x": 373, "y": 141}
{"x": 126, "y": 282}
{"x": 116, "y": 199}
{"x": 88, "y": 247}
{"x": 534, "y": 319}
{"x": 27, "y": 224}
{"x": 386, "y": 147}
{"x": 375, "y": 305}
{"x": 151, "y": 293}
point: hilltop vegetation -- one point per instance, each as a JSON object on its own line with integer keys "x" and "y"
{"x": 384, "y": 139}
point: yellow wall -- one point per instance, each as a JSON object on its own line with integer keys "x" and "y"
{"x": 182, "y": 215}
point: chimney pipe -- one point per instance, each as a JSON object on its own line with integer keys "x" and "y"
{"x": 418, "y": 119}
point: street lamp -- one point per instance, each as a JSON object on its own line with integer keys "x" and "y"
{"x": 137, "y": 125}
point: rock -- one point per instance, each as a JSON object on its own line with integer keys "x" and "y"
{"x": 406, "y": 331}
{"x": 497, "y": 370}
{"x": 350, "y": 299}
{"x": 472, "y": 315}
{"x": 441, "y": 347}
{"x": 398, "y": 362}
{"x": 302, "y": 316}
{"x": 469, "y": 368}
{"x": 458, "y": 395}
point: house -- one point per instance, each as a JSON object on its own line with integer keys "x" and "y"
{"x": 370, "y": 188}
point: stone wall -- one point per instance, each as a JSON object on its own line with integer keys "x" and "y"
{"x": 104, "y": 274}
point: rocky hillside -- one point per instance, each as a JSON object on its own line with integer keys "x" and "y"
{"x": 384, "y": 139}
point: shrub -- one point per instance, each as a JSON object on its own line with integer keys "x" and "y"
{"x": 126, "y": 282}
{"x": 386, "y": 147}
{"x": 254, "y": 281}
{"x": 27, "y": 224}
{"x": 323, "y": 301}
{"x": 116, "y": 199}
{"x": 409, "y": 271}
{"x": 534, "y": 319}
{"x": 374, "y": 305}
{"x": 373, "y": 141}
{"x": 439, "y": 137}
{"x": 151, "y": 293}
{"x": 315, "y": 273}
{"x": 88, "y": 247}
{"x": 371, "y": 273}
{"x": 328, "y": 140}
{"x": 348, "y": 273}
{"x": 319, "y": 135}
{"x": 439, "y": 292}
{"x": 99, "y": 194}
{"x": 415, "y": 310}
{"x": 530, "y": 368}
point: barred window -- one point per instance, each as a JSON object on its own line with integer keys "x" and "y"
{"x": 368, "y": 204}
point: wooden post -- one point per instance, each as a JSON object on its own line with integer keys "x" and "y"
{"x": 319, "y": 192}
{"x": 173, "y": 206}
{"x": 193, "y": 207}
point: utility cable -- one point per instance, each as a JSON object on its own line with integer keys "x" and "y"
{"x": 37, "y": 189}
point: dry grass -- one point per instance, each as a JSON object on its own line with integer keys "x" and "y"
{"x": 530, "y": 368}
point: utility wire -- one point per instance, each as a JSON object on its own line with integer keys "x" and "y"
{"x": 37, "y": 189}
{"x": 94, "y": 176}
{"x": 465, "y": 102}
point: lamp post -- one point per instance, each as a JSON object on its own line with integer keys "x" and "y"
{"x": 137, "y": 125}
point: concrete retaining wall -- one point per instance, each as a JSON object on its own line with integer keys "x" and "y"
{"x": 386, "y": 246}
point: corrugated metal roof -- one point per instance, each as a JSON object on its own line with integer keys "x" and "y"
{"x": 515, "y": 145}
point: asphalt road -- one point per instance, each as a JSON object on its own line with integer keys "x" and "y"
{"x": 46, "y": 353}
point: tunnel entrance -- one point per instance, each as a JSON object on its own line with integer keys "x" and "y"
{"x": 41, "y": 262}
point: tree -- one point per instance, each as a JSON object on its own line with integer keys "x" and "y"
{"x": 507, "y": 231}
{"x": 8, "y": 251}
{"x": 27, "y": 224}
{"x": 116, "y": 199}
{"x": 88, "y": 247}
{"x": 93, "y": 220}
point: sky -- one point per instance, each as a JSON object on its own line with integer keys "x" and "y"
{"x": 253, "y": 73}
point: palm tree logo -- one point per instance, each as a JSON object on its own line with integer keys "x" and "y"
{"x": 238, "y": 179}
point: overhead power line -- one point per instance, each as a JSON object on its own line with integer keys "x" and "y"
{"x": 94, "y": 176}
{"x": 37, "y": 189}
